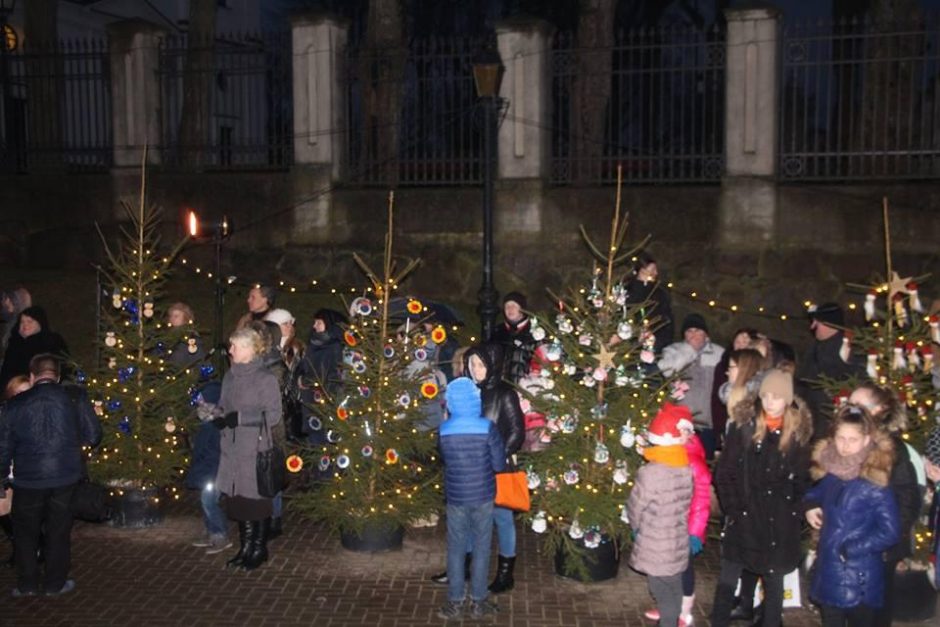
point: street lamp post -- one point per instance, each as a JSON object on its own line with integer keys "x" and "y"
{"x": 487, "y": 75}
{"x": 8, "y": 44}
{"x": 217, "y": 233}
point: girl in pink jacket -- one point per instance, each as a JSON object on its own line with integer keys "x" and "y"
{"x": 699, "y": 511}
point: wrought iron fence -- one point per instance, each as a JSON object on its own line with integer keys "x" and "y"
{"x": 59, "y": 102}
{"x": 413, "y": 115}
{"x": 860, "y": 100}
{"x": 653, "y": 103}
{"x": 247, "y": 121}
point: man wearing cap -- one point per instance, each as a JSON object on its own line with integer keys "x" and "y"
{"x": 695, "y": 358}
{"x": 825, "y": 359}
{"x": 516, "y": 337}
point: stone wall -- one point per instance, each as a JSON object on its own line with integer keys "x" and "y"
{"x": 291, "y": 226}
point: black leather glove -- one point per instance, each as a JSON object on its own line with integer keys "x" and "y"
{"x": 229, "y": 420}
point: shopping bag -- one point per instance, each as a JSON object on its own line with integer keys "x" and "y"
{"x": 512, "y": 491}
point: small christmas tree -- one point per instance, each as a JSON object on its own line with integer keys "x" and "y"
{"x": 382, "y": 465}
{"x": 138, "y": 394}
{"x": 597, "y": 395}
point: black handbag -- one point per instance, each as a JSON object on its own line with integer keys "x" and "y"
{"x": 270, "y": 469}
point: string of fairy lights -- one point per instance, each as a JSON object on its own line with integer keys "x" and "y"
{"x": 318, "y": 287}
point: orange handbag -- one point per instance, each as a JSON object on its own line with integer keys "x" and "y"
{"x": 512, "y": 491}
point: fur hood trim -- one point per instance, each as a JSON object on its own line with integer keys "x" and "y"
{"x": 746, "y": 412}
{"x": 877, "y": 466}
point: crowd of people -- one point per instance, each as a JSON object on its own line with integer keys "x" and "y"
{"x": 748, "y": 421}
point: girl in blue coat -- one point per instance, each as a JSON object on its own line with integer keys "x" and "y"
{"x": 858, "y": 515}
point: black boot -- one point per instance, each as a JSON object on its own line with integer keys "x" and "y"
{"x": 441, "y": 578}
{"x": 6, "y": 523}
{"x": 259, "y": 531}
{"x": 242, "y": 546}
{"x": 743, "y": 610}
{"x": 277, "y": 527}
{"x": 503, "y": 581}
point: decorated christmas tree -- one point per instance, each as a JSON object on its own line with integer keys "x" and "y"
{"x": 596, "y": 393}
{"x": 140, "y": 396}
{"x": 896, "y": 342}
{"x": 380, "y": 461}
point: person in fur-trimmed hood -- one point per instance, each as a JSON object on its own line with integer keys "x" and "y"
{"x": 858, "y": 515}
{"x": 760, "y": 479}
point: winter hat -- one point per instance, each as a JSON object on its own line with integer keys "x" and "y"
{"x": 827, "y": 313}
{"x": 38, "y": 314}
{"x": 211, "y": 393}
{"x": 518, "y": 298}
{"x": 463, "y": 399}
{"x": 694, "y": 321}
{"x": 667, "y": 427}
{"x": 779, "y": 383}
{"x": 279, "y": 316}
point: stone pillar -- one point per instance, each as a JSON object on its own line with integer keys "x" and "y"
{"x": 524, "y": 144}
{"x": 524, "y": 135}
{"x": 319, "y": 51}
{"x": 135, "y": 91}
{"x": 749, "y": 191}
{"x": 751, "y": 84}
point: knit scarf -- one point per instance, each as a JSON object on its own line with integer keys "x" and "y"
{"x": 845, "y": 468}
{"x": 674, "y": 455}
{"x": 773, "y": 422}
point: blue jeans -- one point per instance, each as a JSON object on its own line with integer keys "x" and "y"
{"x": 473, "y": 523}
{"x": 212, "y": 514}
{"x": 505, "y": 532}
{"x": 278, "y": 505}
{"x": 707, "y": 437}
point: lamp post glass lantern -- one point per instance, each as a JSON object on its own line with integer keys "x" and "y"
{"x": 216, "y": 233}
{"x": 487, "y": 75}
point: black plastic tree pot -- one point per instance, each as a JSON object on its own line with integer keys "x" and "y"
{"x": 915, "y": 600}
{"x": 599, "y": 564}
{"x": 135, "y": 508}
{"x": 374, "y": 536}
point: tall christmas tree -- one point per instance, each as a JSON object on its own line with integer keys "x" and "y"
{"x": 597, "y": 395}
{"x": 381, "y": 464}
{"x": 139, "y": 395}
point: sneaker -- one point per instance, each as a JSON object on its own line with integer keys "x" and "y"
{"x": 452, "y": 611}
{"x": 202, "y": 542}
{"x": 479, "y": 609}
{"x": 217, "y": 545}
{"x": 67, "y": 587}
{"x": 685, "y": 620}
{"x": 18, "y": 594}
{"x": 652, "y": 614}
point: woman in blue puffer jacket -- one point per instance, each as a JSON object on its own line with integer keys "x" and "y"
{"x": 859, "y": 517}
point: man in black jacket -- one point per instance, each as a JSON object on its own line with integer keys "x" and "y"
{"x": 42, "y": 431}
{"x": 825, "y": 359}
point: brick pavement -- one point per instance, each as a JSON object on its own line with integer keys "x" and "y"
{"x": 154, "y": 578}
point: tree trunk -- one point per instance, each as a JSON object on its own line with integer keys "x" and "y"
{"x": 43, "y": 73}
{"x": 590, "y": 88}
{"x": 196, "y": 114}
{"x": 381, "y": 74}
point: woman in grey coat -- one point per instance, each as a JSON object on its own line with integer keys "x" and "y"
{"x": 251, "y": 406}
